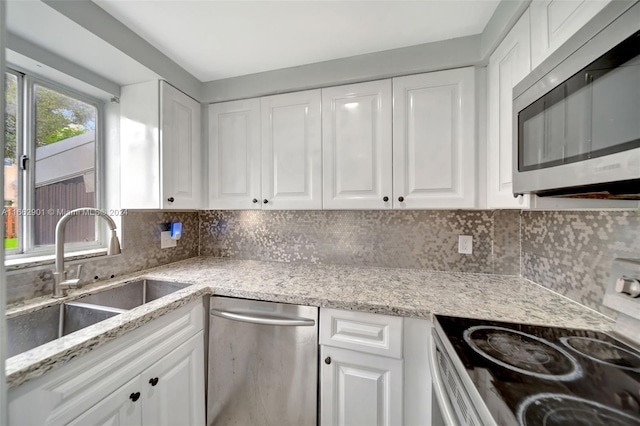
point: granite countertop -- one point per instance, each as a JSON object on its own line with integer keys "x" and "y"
{"x": 403, "y": 292}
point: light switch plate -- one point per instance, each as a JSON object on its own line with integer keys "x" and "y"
{"x": 465, "y": 244}
{"x": 166, "y": 241}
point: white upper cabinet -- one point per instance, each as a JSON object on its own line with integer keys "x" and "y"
{"x": 292, "y": 151}
{"x": 181, "y": 172}
{"x": 554, "y": 21}
{"x": 356, "y": 144}
{"x": 234, "y": 155}
{"x": 160, "y": 148}
{"x": 508, "y": 65}
{"x": 434, "y": 144}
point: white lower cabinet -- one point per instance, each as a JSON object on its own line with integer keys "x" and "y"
{"x": 374, "y": 370}
{"x": 116, "y": 409}
{"x": 168, "y": 393}
{"x": 359, "y": 388}
{"x": 151, "y": 376}
{"x": 173, "y": 387}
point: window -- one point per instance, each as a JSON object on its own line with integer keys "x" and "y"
{"x": 50, "y": 165}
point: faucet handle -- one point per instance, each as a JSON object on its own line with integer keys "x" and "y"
{"x": 78, "y": 271}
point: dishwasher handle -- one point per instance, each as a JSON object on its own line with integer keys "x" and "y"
{"x": 261, "y": 318}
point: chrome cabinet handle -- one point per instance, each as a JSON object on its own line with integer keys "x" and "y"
{"x": 261, "y": 318}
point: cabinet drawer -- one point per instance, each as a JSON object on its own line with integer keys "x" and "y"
{"x": 360, "y": 331}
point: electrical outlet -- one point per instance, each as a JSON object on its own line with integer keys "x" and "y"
{"x": 465, "y": 244}
{"x": 166, "y": 241}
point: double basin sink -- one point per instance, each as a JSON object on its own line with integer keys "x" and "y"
{"x": 36, "y": 328}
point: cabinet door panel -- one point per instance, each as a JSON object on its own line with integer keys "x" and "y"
{"x": 178, "y": 394}
{"x": 181, "y": 171}
{"x": 434, "y": 147}
{"x": 360, "y": 389}
{"x": 356, "y": 125}
{"x": 234, "y": 155}
{"x": 554, "y": 21}
{"x": 117, "y": 409}
{"x": 140, "y": 146}
{"x": 509, "y": 64}
{"x": 291, "y": 151}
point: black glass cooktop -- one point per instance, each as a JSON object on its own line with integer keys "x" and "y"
{"x": 536, "y": 376}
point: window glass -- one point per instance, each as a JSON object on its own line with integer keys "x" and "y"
{"x": 65, "y": 159}
{"x": 11, "y": 234}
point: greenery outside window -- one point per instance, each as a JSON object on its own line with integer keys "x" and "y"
{"x": 51, "y": 165}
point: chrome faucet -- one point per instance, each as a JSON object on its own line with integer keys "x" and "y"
{"x": 60, "y": 282}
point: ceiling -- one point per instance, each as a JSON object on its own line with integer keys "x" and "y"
{"x": 219, "y": 39}
{"x": 41, "y": 25}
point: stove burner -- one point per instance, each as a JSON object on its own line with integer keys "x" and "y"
{"x": 549, "y": 409}
{"x": 523, "y": 353}
{"x": 603, "y": 352}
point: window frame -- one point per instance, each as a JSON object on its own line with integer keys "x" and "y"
{"x": 19, "y": 147}
{"x": 25, "y": 143}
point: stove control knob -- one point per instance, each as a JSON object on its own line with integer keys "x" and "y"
{"x": 628, "y": 286}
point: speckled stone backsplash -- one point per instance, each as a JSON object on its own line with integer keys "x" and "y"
{"x": 571, "y": 252}
{"x": 426, "y": 239}
{"x": 141, "y": 250}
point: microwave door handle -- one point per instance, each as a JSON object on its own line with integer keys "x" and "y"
{"x": 446, "y": 409}
{"x": 260, "y": 318}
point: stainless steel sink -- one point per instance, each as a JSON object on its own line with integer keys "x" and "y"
{"x": 134, "y": 294}
{"x": 30, "y": 330}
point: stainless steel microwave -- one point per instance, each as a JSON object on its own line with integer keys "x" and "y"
{"x": 577, "y": 116}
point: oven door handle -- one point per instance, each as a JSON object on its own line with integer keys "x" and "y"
{"x": 448, "y": 415}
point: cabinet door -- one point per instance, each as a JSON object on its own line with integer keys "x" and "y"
{"x": 173, "y": 388}
{"x": 139, "y": 157}
{"x": 554, "y": 21}
{"x": 508, "y": 64}
{"x": 234, "y": 155}
{"x": 434, "y": 146}
{"x": 181, "y": 171}
{"x": 359, "y": 389}
{"x": 291, "y": 151}
{"x": 356, "y": 145}
{"x": 117, "y": 409}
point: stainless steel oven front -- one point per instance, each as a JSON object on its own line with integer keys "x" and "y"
{"x": 576, "y": 117}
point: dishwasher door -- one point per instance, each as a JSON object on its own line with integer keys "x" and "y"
{"x": 263, "y": 363}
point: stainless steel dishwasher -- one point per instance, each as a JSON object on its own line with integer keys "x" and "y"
{"x": 263, "y": 363}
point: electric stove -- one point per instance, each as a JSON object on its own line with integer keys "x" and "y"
{"x": 531, "y": 375}
{"x": 499, "y": 373}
